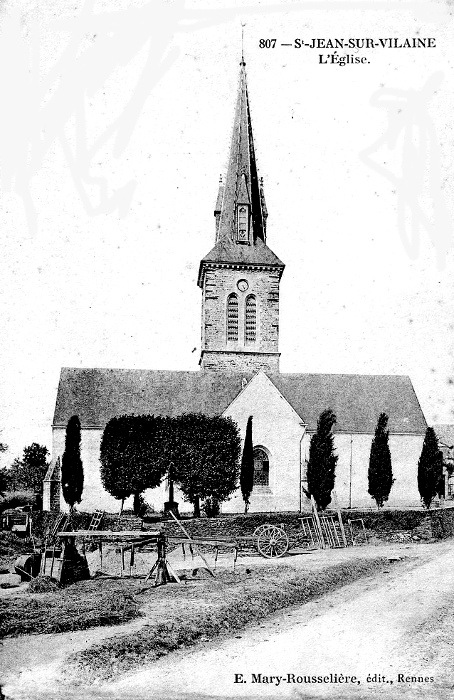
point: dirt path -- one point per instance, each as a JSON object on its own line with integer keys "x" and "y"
{"x": 31, "y": 663}
{"x": 359, "y": 629}
{"x": 376, "y": 626}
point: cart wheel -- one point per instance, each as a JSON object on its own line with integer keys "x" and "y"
{"x": 259, "y": 531}
{"x": 272, "y": 542}
{"x": 261, "y": 528}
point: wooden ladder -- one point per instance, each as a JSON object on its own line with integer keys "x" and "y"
{"x": 58, "y": 524}
{"x": 96, "y": 520}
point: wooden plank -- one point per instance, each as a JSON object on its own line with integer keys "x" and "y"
{"x": 192, "y": 542}
{"x": 137, "y": 544}
{"x": 52, "y": 563}
{"x": 317, "y": 521}
{"x": 109, "y": 533}
{"x": 342, "y": 529}
{"x": 205, "y": 540}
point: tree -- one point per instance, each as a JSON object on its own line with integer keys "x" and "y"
{"x": 28, "y": 473}
{"x": 4, "y": 482}
{"x": 72, "y": 471}
{"x": 171, "y": 444}
{"x": 322, "y": 460}
{"x": 132, "y": 455}
{"x": 205, "y": 454}
{"x": 35, "y": 465}
{"x": 14, "y": 475}
{"x": 380, "y": 468}
{"x": 247, "y": 466}
{"x": 430, "y": 469}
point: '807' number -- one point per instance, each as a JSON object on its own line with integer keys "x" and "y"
{"x": 267, "y": 43}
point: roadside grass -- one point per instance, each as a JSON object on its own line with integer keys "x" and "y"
{"x": 180, "y": 616}
{"x": 11, "y": 547}
{"x": 80, "y": 606}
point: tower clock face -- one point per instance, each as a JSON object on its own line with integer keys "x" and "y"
{"x": 242, "y": 285}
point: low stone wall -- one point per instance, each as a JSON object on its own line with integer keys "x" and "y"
{"x": 417, "y": 524}
{"x": 230, "y": 526}
{"x": 437, "y": 524}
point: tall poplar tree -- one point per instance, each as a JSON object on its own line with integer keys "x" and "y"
{"x": 380, "y": 467}
{"x": 430, "y": 469}
{"x": 247, "y": 466}
{"x": 72, "y": 472}
{"x": 322, "y": 462}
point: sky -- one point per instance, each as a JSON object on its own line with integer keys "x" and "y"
{"x": 115, "y": 126}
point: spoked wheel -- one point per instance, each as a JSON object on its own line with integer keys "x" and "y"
{"x": 261, "y": 528}
{"x": 272, "y": 542}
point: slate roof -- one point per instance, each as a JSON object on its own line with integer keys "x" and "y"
{"x": 96, "y": 395}
{"x": 242, "y": 182}
{"x": 241, "y": 186}
{"x": 228, "y": 252}
{"x": 356, "y": 399}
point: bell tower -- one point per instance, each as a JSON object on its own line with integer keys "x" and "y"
{"x": 240, "y": 276}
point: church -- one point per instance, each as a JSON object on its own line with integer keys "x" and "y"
{"x": 239, "y": 374}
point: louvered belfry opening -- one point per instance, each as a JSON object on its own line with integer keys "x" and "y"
{"x": 232, "y": 318}
{"x": 251, "y": 319}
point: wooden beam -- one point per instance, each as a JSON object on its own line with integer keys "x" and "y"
{"x": 193, "y": 543}
{"x": 119, "y": 534}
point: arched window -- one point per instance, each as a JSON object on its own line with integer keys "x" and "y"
{"x": 232, "y": 318}
{"x": 261, "y": 467}
{"x": 250, "y": 331}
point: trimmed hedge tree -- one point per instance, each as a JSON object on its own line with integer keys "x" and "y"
{"x": 72, "y": 471}
{"x": 204, "y": 452}
{"x": 322, "y": 462}
{"x": 430, "y": 469}
{"x": 380, "y": 468}
{"x": 132, "y": 455}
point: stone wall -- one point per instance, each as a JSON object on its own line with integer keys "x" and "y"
{"x": 224, "y": 361}
{"x": 52, "y": 495}
{"x": 277, "y": 428}
{"x": 437, "y": 524}
{"x": 219, "y": 283}
{"x": 351, "y": 482}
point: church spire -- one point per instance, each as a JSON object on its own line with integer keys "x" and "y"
{"x": 240, "y": 276}
{"x": 242, "y": 217}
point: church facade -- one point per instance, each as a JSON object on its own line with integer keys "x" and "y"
{"x": 239, "y": 372}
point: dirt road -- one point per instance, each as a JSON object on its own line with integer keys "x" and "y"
{"x": 395, "y": 623}
{"x": 398, "y": 623}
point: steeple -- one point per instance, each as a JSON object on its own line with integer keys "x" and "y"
{"x": 242, "y": 186}
{"x": 240, "y": 210}
{"x": 240, "y": 276}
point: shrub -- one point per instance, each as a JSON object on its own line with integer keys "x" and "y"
{"x": 16, "y": 499}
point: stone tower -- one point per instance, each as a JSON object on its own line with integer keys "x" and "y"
{"x": 240, "y": 276}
